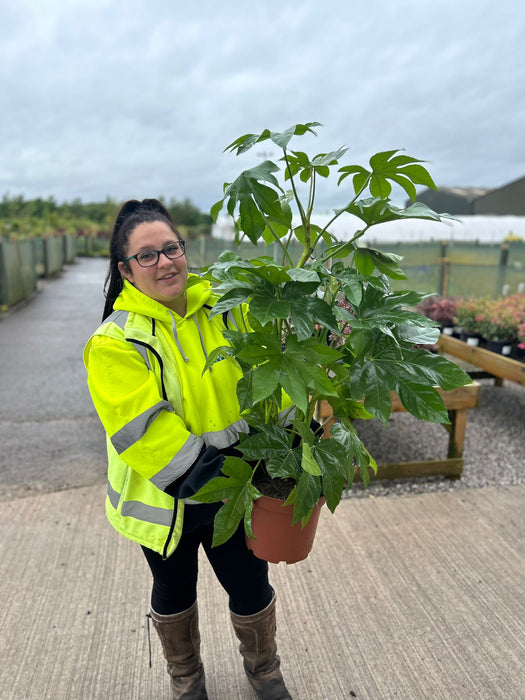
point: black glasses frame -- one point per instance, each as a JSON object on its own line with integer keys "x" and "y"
{"x": 179, "y": 254}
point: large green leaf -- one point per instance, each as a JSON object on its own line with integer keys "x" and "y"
{"x": 423, "y": 401}
{"x": 308, "y": 462}
{"x": 436, "y": 369}
{"x": 404, "y": 170}
{"x": 307, "y": 312}
{"x": 269, "y": 202}
{"x": 333, "y": 462}
{"x": 260, "y": 347}
{"x": 265, "y": 380}
{"x": 377, "y": 210}
{"x": 312, "y": 350}
{"x": 244, "y": 391}
{"x": 301, "y": 317}
{"x": 251, "y": 221}
{"x": 272, "y": 274}
{"x": 356, "y": 452}
{"x": 308, "y": 492}
{"x": 320, "y": 382}
{"x": 236, "y": 488}
{"x": 414, "y": 333}
{"x": 360, "y": 179}
{"x": 281, "y": 139}
{"x": 273, "y": 445}
{"x": 231, "y": 300}
{"x": 267, "y": 308}
{"x": 363, "y": 261}
{"x": 373, "y": 379}
{"x": 294, "y": 382}
{"x": 411, "y": 373}
{"x": 387, "y": 263}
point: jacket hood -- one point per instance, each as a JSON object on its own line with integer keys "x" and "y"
{"x": 131, "y": 299}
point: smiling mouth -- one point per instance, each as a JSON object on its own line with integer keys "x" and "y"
{"x": 168, "y": 277}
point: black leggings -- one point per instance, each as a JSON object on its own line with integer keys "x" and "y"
{"x": 242, "y": 575}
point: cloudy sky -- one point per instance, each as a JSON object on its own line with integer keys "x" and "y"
{"x": 139, "y": 98}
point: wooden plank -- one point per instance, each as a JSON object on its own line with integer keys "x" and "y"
{"x": 497, "y": 365}
{"x": 451, "y": 468}
{"x": 458, "y": 425}
{"x": 463, "y": 397}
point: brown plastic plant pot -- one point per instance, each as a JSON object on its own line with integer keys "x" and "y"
{"x": 276, "y": 539}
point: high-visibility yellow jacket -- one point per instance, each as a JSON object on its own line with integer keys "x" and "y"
{"x": 144, "y": 367}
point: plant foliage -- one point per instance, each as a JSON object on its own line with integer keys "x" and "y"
{"x": 325, "y": 327}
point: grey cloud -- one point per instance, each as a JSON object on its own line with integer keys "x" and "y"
{"x": 101, "y": 98}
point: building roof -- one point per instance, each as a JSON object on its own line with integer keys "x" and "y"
{"x": 469, "y": 193}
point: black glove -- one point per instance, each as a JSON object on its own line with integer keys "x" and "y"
{"x": 205, "y": 468}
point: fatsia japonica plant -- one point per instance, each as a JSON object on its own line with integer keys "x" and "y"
{"x": 325, "y": 326}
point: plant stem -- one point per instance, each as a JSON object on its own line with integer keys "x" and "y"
{"x": 342, "y": 211}
{"x": 304, "y": 218}
{"x": 284, "y": 248}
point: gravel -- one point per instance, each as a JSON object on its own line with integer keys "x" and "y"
{"x": 493, "y": 451}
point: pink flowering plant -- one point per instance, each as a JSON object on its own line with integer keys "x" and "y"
{"x": 469, "y": 314}
{"x": 324, "y": 327}
{"x": 501, "y": 318}
{"x": 492, "y": 319}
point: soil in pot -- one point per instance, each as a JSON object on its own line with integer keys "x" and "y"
{"x": 274, "y": 488}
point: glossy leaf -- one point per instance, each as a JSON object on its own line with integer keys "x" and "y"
{"x": 308, "y": 462}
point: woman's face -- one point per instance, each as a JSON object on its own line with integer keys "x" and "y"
{"x": 165, "y": 282}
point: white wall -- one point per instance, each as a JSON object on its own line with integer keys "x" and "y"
{"x": 485, "y": 229}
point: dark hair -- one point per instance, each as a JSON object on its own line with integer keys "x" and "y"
{"x": 132, "y": 213}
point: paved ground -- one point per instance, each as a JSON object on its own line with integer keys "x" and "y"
{"x": 50, "y": 435}
{"x": 406, "y": 598}
{"x": 411, "y": 598}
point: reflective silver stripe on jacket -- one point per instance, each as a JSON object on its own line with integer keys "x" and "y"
{"x": 133, "y": 431}
{"x": 224, "y": 438}
{"x": 148, "y": 514}
{"x": 141, "y": 511}
{"x": 114, "y": 496}
{"x": 143, "y": 351}
{"x": 119, "y": 318}
{"x": 180, "y": 464}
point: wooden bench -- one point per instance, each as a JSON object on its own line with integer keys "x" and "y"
{"x": 493, "y": 364}
{"x": 458, "y": 402}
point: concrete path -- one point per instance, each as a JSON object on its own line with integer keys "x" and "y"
{"x": 50, "y": 435}
{"x": 407, "y": 598}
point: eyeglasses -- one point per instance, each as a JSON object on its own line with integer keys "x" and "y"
{"x": 149, "y": 258}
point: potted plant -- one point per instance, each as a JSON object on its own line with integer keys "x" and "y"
{"x": 439, "y": 309}
{"x": 498, "y": 324}
{"x": 469, "y": 314}
{"x": 323, "y": 325}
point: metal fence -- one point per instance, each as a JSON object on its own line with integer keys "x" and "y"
{"x": 446, "y": 268}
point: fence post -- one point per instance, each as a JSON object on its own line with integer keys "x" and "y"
{"x": 502, "y": 269}
{"x": 444, "y": 270}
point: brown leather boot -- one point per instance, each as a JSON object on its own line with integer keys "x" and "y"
{"x": 180, "y": 639}
{"x": 258, "y": 647}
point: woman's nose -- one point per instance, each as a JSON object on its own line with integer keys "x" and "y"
{"x": 163, "y": 259}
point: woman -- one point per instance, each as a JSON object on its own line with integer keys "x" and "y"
{"x": 169, "y": 428}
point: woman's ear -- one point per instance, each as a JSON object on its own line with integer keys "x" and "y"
{"x": 124, "y": 271}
